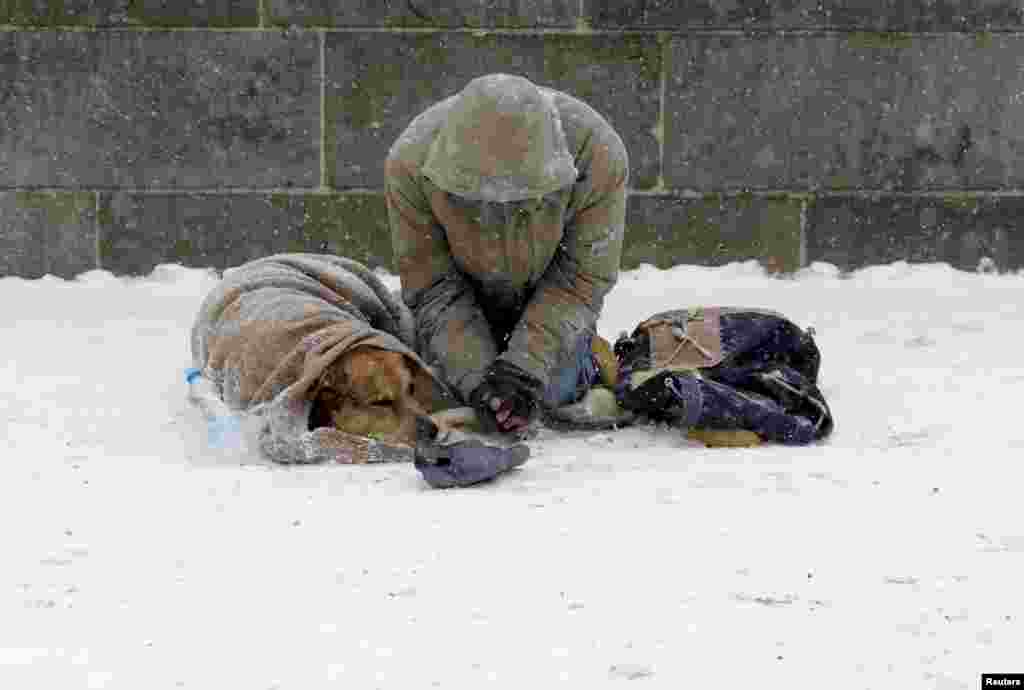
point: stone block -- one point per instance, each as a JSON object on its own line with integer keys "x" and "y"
{"x": 889, "y": 112}
{"x": 713, "y": 230}
{"x": 864, "y": 15}
{"x": 139, "y": 231}
{"x": 181, "y": 109}
{"x": 966, "y": 231}
{"x": 352, "y": 225}
{"x": 377, "y": 82}
{"x": 47, "y": 233}
{"x": 923, "y": 15}
{"x": 150, "y": 13}
{"x": 495, "y": 14}
{"x": 680, "y": 14}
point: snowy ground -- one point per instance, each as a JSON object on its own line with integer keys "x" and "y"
{"x": 890, "y": 557}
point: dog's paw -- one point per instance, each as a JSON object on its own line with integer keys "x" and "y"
{"x": 456, "y": 419}
{"x": 724, "y": 438}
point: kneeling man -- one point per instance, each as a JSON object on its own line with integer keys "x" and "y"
{"x": 507, "y": 207}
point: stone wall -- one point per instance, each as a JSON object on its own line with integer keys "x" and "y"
{"x": 135, "y": 132}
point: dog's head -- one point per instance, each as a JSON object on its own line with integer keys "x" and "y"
{"x": 369, "y": 392}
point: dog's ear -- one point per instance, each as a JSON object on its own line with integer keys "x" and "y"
{"x": 332, "y": 381}
{"x": 326, "y": 398}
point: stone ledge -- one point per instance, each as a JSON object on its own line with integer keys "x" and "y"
{"x": 59, "y": 232}
{"x": 139, "y": 231}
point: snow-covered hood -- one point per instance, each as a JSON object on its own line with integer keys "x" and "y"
{"x": 502, "y": 141}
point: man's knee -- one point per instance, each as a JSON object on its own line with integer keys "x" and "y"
{"x": 574, "y": 376}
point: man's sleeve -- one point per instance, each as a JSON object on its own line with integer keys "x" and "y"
{"x": 451, "y": 331}
{"x": 570, "y": 294}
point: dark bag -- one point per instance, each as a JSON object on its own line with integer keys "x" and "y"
{"x": 725, "y": 368}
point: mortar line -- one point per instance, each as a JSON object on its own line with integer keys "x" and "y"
{"x": 662, "y": 120}
{"x": 698, "y": 31}
{"x": 323, "y": 111}
{"x": 207, "y": 191}
{"x": 802, "y": 249}
{"x": 97, "y": 226}
{"x": 678, "y": 192}
{"x": 690, "y": 193}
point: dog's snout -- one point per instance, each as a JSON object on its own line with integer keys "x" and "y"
{"x": 426, "y": 429}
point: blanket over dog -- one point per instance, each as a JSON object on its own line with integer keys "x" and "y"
{"x": 271, "y": 327}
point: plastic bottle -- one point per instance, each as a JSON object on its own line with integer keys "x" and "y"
{"x": 223, "y": 426}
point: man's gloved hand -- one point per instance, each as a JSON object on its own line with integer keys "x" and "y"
{"x": 507, "y": 400}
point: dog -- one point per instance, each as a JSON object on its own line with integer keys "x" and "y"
{"x": 370, "y": 392}
{"x": 322, "y": 352}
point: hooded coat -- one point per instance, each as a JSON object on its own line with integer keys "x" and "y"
{"x": 524, "y": 278}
